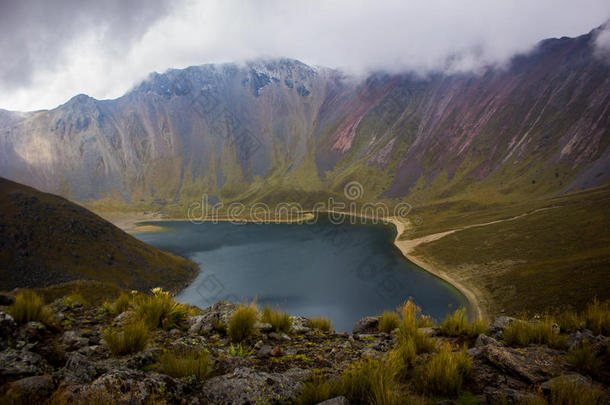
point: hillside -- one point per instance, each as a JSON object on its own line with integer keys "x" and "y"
{"x": 45, "y": 240}
{"x": 279, "y": 129}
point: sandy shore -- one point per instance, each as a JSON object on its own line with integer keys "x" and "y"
{"x": 407, "y": 247}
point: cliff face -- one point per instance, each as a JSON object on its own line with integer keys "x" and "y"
{"x": 264, "y": 130}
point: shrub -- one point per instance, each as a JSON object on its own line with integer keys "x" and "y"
{"x": 280, "y": 321}
{"x": 368, "y": 382}
{"x": 456, "y": 324}
{"x": 565, "y": 391}
{"x": 583, "y": 359}
{"x": 314, "y": 391}
{"x": 28, "y": 306}
{"x": 521, "y": 333}
{"x": 597, "y": 317}
{"x": 241, "y": 324}
{"x": 130, "y": 338}
{"x": 444, "y": 373}
{"x": 74, "y": 299}
{"x": 408, "y": 329}
{"x": 160, "y": 310}
{"x": 324, "y": 324}
{"x": 388, "y": 321}
{"x": 185, "y": 363}
{"x": 120, "y": 305}
{"x": 240, "y": 350}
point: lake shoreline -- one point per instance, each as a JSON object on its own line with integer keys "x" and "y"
{"x": 134, "y": 224}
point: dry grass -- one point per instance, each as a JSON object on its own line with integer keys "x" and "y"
{"x": 241, "y": 324}
{"x": 280, "y": 321}
{"x": 522, "y": 333}
{"x": 314, "y": 391}
{"x": 369, "y": 382}
{"x": 456, "y": 324}
{"x": 597, "y": 317}
{"x": 185, "y": 363}
{"x": 159, "y": 310}
{"x": 444, "y": 373}
{"x": 584, "y": 360}
{"x": 130, "y": 338}
{"x": 321, "y": 323}
{"x": 567, "y": 392}
{"x": 388, "y": 321}
{"x": 29, "y": 306}
{"x": 118, "y": 306}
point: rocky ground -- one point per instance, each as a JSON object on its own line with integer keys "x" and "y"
{"x": 69, "y": 362}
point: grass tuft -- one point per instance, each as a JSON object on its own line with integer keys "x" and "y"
{"x": 523, "y": 333}
{"x": 314, "y": 391}
{"x": 444, "y": 373}
{"x": 120, "y": 305}
{"x": 388, "y": 321}
{"x": 280, "y": 321}
{"x": 568, "y": 392}
{"x": 240, "y": 350}
{"x": 456, "y": 324}
{"x": 185, "y": 363}
{"x": 28, "y": 306}
{"x": 368, "y": 382}
{"x": 241, "y": 324}
{"x": 584, "y": 360}
{"x": 159, "y": 310}
{"x": 130, "y": 338}
{"x": 597, "y": 317}
{"x": 321, "y": 323}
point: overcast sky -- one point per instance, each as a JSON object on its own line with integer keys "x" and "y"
{"x": 53, "y": 49}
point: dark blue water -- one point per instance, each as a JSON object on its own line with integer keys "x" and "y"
{"x": 343, "y": 272}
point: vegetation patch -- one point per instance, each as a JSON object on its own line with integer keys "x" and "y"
{"x": 241, "y": 324}
{"x": 186, "y": 363}
{"x": 159, "y": 310}
{"x": 29, "y": 306}
{"x": 280, "y": 321}
{"x": 444, "y": 373}
{"x": 522, "y": 333}
{"x": 321, "y": 323}
{"x": 127, "y": 339}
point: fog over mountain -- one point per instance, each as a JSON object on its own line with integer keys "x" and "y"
{"x": 53, "y": 50}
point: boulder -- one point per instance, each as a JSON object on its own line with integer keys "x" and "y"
{"x": 79, "y": 370}
{"x": 263, "y": 327}
{"x": 204, "y": 322}
{"x": 7, "y": 326}
{"x": 532, "y": 364}
{"x": 428, "y": 331}
{"x": 299, "y": 326}
{"x": 483, "y": 340}
{"x": 125, "y": 387}
{"x": 366, "y": 325}
{"x": 246, "y": 385}
{"x": 15, "y": 362}
{"x": 573, "y": 378}
{"x": 73, "y": 341}
{"x": 264, "y": 352}
{"x": 41, "y": 386}
{"x": 335, "y": 401}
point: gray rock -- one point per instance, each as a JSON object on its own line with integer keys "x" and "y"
{"x": 79, "y": 370}
{"x": 263, "y": 327}
{"x": 7, "y": 326}
{"x": 483, "y": 340}
{"x": 245, "y": 385}
{"x": 204, "y": 322}
{"x": 33, "y": 331}
{"x": 335, "y": 401}
{"x": 41, "y": 386}
{"x": 264, "y": 352}
{"x": 299, "y": 326}
{"x": 21, "y": 363}
{"x": 532, "y": 364}
{"x": 123, "y": 317}
{"x": 500, "y": 323}
{"x": 366, "y": 325}
{"x": 124, "y": 387}
{"x": 574, "y": 378}
{"x": 73, "y": 341}
{"x": 279, "y": 337}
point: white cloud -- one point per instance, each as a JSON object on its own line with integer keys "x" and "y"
{"x": 357, "y": 36}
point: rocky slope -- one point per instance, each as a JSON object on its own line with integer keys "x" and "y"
{"x": 45, "y": 239}
{"x": 68, "y": 360}
{"x": 269, "y": 130}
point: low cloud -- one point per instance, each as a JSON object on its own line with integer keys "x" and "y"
{"x": 53, "y": 50}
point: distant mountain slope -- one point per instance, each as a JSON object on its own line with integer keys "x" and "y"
{"x": 266, "y": 130}
{"x": 45, "y": 240}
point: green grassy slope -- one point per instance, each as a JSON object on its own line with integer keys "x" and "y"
{"x": 45, "y": 240}
{"x": 557, "y": 254}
